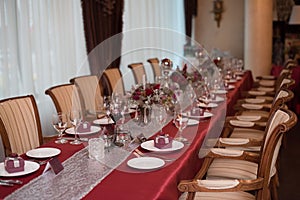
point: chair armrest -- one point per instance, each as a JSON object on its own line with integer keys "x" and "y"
{"x": 219, "y": 185}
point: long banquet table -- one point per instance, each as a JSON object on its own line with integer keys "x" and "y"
{"x": 128, "y": 183}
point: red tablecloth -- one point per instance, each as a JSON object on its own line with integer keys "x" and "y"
{"x": 162, "y": 183}
{"x": 295, "y": 103}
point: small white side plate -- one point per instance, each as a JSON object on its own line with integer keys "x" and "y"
{"x": 45, "y": 152}
{"x": 145, "y": 163}
{"x": 219, "y": 91}
{"x": 210, "y": 105}
{"x": 192, "y": 122}
{"x": 94, "y": 129}
{"x": 103, "y": 121}
{"x": 149, "y": 145}
{"x": 205, "y": 115}
{"x": 28, "y": 168}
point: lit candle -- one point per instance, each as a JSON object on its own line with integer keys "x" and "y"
{"x": 144, "y": 81}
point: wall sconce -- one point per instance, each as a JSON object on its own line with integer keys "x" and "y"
{"x": 218, "y": 10}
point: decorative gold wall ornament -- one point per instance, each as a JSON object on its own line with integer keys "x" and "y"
{"x": 218, "y": 10}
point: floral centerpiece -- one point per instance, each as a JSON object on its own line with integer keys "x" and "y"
{"x": 153, "y": 93}
{"x": 183, "y": 77}
{"x": 148, "y": 94}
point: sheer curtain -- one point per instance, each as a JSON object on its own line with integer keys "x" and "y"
{"x": 149, "y": 26}
{"x": 41, "y": 44}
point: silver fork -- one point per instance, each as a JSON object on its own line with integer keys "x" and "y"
{"x": 138, "y": 153}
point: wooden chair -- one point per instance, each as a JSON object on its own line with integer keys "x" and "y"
{"x": 90, "y": 91}
{"x": 20, "y": 125}
{"x": 138, "y": 71}
{"x": 65, "y": 97}
{"x": 112, "y": 78}
{"x": 154, "y": 62}
{"x": 255, "y": 133}
{"x": 234, "y": 174}
{"x": 271, "y": 87}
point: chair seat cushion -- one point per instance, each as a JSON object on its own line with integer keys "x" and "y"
{"x": 232, "y": 169}
{"x": 256, "y": 113}
{"x": 220, "y": 195}
{"x": 247, "y": 133}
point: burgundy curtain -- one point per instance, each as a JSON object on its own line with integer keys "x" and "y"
{"x": 102, "y": 20}
{"x": 190, "y": 10}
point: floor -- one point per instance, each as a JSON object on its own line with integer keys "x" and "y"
{"x": 289, "y": 170}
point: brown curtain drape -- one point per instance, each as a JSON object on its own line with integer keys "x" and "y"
{"x": 102, "y": 20}
{"x": 190, "y": 10}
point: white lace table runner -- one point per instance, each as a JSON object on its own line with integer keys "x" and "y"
{"x": 80, "y": 174}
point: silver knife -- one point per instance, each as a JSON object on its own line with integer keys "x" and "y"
{"x": 10, "y": 181}
{"x": 82, "y": 139}
{"x": 6, "y": 184}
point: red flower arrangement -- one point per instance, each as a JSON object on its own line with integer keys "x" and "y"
{"x": 183, "y": 78}
{"x": 153, "y": 93}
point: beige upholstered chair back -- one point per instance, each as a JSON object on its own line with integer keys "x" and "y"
{"x": 155, "y": 66}
{"x": 65, "y": 97}
{"x": 115, "y": 81}
{"x": 281, "y": 121}
{"x": 138, "y": 71}
{"x": 90, "y": 92}
{"x": 20, "y": 124}
{"x": 284, "y": 74}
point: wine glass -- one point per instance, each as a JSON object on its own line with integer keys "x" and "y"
{"x": 181, "y": 120}
{"x": 75, "y": 118}
{"x": 59, "y": 122}
{"x": 161, "y": 118}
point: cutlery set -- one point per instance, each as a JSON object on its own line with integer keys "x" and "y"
{"x": 138, "y": 153}
{"x": 10, "y": 182}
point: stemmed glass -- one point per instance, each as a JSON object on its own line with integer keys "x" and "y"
{"x": 59, "y": 122}
{"x": 75, "y": 118}
{"x": 181, "y": 120}
{"x": 161, "y": 118}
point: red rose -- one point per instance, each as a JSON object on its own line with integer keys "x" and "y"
{"x": 136, "y": 97}
{"x": 148, "y": 91}
{"x": 156, "y": 87}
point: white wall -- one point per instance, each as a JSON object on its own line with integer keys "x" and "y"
{"x": 230, "y": 35}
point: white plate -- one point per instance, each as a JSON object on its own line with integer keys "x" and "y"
{"x": 210, "y": 105}
{"x": 28, "y": 168}
{"x": 220, "y": 91}
{"x": 130, "y": 110}
{"x": 149, "y": 145}
{"x": 205, "y": 115}
{"x": 216, "y": 100}
{"x": 230, "y": 87}
{"x": 241, "y": 73}
{"x": 231, "y": 81}
{"x": 239, "y": 78}
{"x": 192, "y": 122}
{"x": 145, "y": 163}
{"x": 103, "y": 121}
{"x": 94, "y": 129}
{"x": 44, "y": 152}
